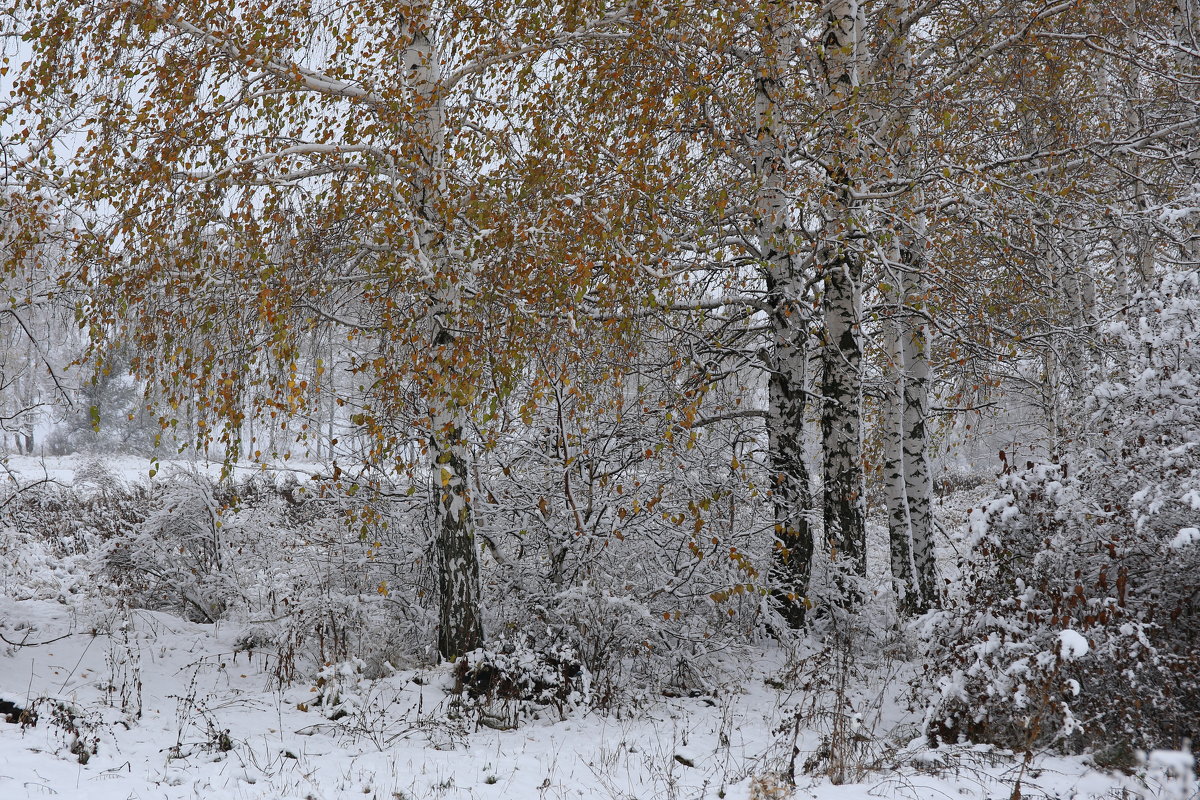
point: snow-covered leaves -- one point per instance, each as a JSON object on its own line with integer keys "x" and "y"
{"x": 511, "y": 680}
{"x": 1083, "y": 583}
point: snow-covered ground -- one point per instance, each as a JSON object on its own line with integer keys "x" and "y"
{"x": 24, "y": 470}
{"x": 172, "y": 710}
{"x": 142, "y": 704}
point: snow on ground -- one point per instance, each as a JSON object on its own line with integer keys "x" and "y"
{"x": 141, "y": 704}
{"x": 25, "y": 470}
{"x": 158, "y": 707}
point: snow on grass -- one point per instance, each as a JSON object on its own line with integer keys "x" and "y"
{"x": 166, "y": 708}
{"x": 22, "y": 470}
{"x": 141, "y": 704}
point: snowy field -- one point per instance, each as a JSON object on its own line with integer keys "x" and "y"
{"x": 25, "y": 470}
{"x": 142, "y": 704}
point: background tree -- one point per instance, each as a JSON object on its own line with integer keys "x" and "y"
{"x": 37, "y": 339}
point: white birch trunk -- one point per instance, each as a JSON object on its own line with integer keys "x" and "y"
{"x": 1050, "y": 407}
{"x": 1185, "y": 24}
{"x": 918, "y": 479}
{"x": 906, "y": 467}
{"x": 841, "y": 264}
{"x": 457, "y": 559}
{"x": 1082, "y": 352}
{"x": 1143, "y": 236}
{"x": 1052, "y": 381}
{"x": 894, "y": 477}
{"x": 790, "y": 323}
{"x": 841, "y": 416}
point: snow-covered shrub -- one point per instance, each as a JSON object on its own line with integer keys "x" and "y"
{"x": 75, "y": 522}
{"x": 659, "y": 576}
{"x": 608, "y": 631}
{"x": 31, "y": 569}
{"x": 611, "y": 523}
{"x": 329, "y": 625}
{"x": 78, "y": 729}
{"x": 1079, "y": 621}
{"x": 511, "y": 680}
{"x": 1067, "y": 607}
{"x": 1169, "y": 774}
{"x": 340, "y": 688}
{"x": 179, "y": 552}
{"x": 1011, "y": 679}
{"x": 50, "y": 536}
{"x": 634, "y": 639}
{"x": 95, "y": 474}
{"x": 954, "y": 477}
{"x": 281, "y": 565}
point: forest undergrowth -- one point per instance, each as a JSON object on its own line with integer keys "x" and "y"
{"x": 988, "y": 694}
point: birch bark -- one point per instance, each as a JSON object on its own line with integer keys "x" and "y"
{"x": 841, "y": 265}
{"x": 909, "y": 485}
{"x": 456, "y": 554}
{"x": 900, "y": 534}
{"x": 790, "y": 324}
{"x": 918, "y": 480}
{"x": 1185, "y": 24}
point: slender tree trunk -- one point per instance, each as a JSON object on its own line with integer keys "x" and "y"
{"x": 457, "y": 559}
{"x": 1185, "y": 25}
{"x": 1143, "y": 234}
{"x": 1051, "y": 380}
{"x": 790, "y": 323}
{"x": 791, "y": 495}
{"x": 841, "y": 416}
{"x": 457, "y": 556}
{"x": 900, "y": 535}
{"x": 918, "y": 478}
{"x": 331, "y": 406}
{"x": 841, "y": 266}
{"x": 906, "y": 442}
{"x": 29, "y": 400}
{"x": 1123, "y": 253}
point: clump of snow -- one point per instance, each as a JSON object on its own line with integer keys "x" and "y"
{"x": 1185, "y": 538}
{"x": 1174, "y": 762}
{"x": 1072, "y": 645}
{"x": 1171, "y": 774}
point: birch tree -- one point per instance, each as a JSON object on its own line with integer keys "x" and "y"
{"x": 248, "y": 173}
{"x": 37, "y": 341}
{"x": 763, "y": 100}
{"x": 816, "y": 188}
